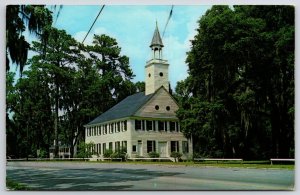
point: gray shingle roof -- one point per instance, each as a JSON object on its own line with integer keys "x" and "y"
{"x": 156, "y": 40}
{"x": 125, "y": 108}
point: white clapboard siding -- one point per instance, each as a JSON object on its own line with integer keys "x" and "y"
{"x": 162, "y": 99}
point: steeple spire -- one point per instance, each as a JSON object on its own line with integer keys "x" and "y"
{"x": 156, "y": 44}
{"x": 156, "y": 40}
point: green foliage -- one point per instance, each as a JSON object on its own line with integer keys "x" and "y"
{"x": 85, "y": 150}
{"x": 153, "y": 155}
{"x": 108, "y": 154}
{"x": 122, "y": 153}
{"x": 18, "y": 17}
{"x": 238, "y": 100}
{"x": 177, "y": 156}
{"x": 12, "y": 185}
{"x": 42, "y": 154}
{"x": 63, "y": 90}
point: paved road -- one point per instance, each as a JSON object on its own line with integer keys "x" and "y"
{"x": 105, "y": 176}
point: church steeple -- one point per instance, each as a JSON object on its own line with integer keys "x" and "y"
{"x": 156, "y": 44}
{"x": 156, "y": 69}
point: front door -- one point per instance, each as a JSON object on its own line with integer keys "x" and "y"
{"x": 162, "y": 148}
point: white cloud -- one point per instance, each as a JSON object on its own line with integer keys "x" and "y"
{"x": 133, "y": 27}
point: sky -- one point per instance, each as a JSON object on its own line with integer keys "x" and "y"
{"x": 133, "y": 27}
{"x": 141, "y": 22}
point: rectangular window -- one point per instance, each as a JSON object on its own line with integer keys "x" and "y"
{"x": 174, "y": 146}
{"x": 99, "y": 148}
{"x": 166, "y": 126}
{"x": 177, "y": 127}
{"x": 185, "y": 147}
{"x": 143, "y": 125}
{"x": 111, "y": 128}
{"x": 161, "y": 125}
{"x": 124, "y": 145}
{"x": 154, "y": 125}
{"x": 118, "y": 127}
{"x": 172, "y": 126}
{"x": 105, "y": 129}
{"x": 149, "y": 125}
{"x": 133, "y": 148}
{"x": 110, "y": 146}
{"x": 125, "y": 126}
{"x": 117, "y": 146}
{"x": 95, "y": 133}
{"x": 93, "y": 149}
{"x": 103, "y": 147}
{"x": 138, "y": 125}
{"x": 100, "y": 129}
{"x": 150, "y": 146}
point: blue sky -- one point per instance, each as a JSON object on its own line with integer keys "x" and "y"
{"x": 133, "y": 26}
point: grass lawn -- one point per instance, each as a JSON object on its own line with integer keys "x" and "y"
{"x": 223, "y": 164}
{"x": 229, "y": 164}
{"x": 244, "y": 164}
{"x": 12, "y": 185}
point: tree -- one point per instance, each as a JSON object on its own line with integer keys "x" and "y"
{"x": 140, "y": 86}
{"x": 28, "y": 104}
{"x": 72, "y": 89}
{"x": 238, "y": 65}
{"x": 57, "y": 60}
{"x": 112, "y": 67}
{"x": 18, "y": 18}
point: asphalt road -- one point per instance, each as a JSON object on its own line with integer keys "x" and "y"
{"x": 105, "y": 176}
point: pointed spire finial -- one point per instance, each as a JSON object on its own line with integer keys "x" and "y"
{"x": 156, "y": 40}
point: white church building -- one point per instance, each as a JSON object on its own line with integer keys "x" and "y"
{"x": 146, "y": 121}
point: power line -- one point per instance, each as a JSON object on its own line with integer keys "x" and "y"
{"x": 93, "y": 23}
{"x": 171, "y": 12}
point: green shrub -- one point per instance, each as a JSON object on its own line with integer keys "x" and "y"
{"x": 153, "y": 155}
{"x": 176, "y": 155}
{"x": 108, "y": 154}
{"x": 84, "y": 150}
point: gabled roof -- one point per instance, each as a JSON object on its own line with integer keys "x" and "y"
{"x": 156, "y": 40}
{"x": 125, "y": 108}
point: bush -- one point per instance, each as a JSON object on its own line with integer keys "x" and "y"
{"x": 122, "y": 154}
{"x": 42, "y": 154}
{"x": 84, "y": 150}
{"x": 153, "y": 155}
{"x": 108, "y": 154}
{"x": 176, "y": 155}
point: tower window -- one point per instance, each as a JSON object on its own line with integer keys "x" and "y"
{"x": 156, "y": 107}
{"x": 149, "y": 75}
{"x": 168, "y": 108}
{"x": 161, "y": 74}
